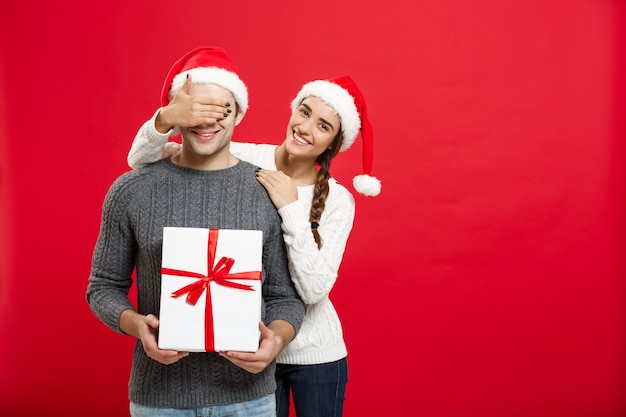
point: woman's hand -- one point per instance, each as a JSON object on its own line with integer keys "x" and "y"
{"x": 281, "y": 189}
{"x": 187, "y": 110}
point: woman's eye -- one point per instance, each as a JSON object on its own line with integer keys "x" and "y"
{"x": 304, "y": 112}
{"x": 324, "y": 127}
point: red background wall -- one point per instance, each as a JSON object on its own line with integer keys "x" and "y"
{"x": 486, "y": 280}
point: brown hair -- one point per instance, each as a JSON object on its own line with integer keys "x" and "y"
{"x": 321, "y": 186}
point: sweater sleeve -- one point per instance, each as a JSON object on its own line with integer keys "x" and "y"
{"x": 281, "y": 298}
{"x": 259, "y": 154}
{"x": 112, "y": 262}
{"x": 314, "y": 271}
{"x": 148, "y": 144}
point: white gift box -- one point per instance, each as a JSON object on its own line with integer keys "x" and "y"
{"x": 223, "y": 265}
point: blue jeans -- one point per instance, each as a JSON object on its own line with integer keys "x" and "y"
{"x": 317, "y": 390}
{"x": 261, "y": 407}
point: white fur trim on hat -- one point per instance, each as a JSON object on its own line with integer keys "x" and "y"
{"x": 217, "y": 76}
{"x": 366, "y": 185}
{"x": 340, "y": 100}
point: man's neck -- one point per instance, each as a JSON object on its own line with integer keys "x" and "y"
{"x": 221, "y": 160}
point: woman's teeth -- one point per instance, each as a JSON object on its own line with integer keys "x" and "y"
{"x": 299, "y": 139}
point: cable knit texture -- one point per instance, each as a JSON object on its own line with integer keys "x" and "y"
{"x": 313, "y": 271}
{"x": 137, "y": 207}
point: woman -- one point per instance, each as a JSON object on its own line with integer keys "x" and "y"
{"x": 317, "y": 216}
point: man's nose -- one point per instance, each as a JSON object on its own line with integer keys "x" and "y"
{"x": 207, "y": 124}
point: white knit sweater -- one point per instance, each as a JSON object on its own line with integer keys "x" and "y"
{"x": 313, "y": 271}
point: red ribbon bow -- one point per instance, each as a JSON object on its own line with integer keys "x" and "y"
{"x": 220, "y": 273}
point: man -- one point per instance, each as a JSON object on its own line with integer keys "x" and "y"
{"x": 203, "y": 185}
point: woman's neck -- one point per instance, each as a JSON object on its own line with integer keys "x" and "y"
{"x": 302, "y": 171}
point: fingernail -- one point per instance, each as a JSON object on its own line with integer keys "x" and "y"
{"x": 229, "y": 111}
{"x": 227, "y": 104}
{"x": 225, "y": 114}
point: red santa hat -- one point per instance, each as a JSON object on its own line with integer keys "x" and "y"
{"x": 206, "y": 65}
{"x": 342, "y": 94}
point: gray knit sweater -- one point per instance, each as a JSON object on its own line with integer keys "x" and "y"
{"x": 137, "y": 207}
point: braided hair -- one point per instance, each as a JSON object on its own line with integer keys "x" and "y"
{"x": 321, "y": 186}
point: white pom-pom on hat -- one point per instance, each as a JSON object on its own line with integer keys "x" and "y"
{"x": 343, "y": 95}
{"x": 366, "y": 185}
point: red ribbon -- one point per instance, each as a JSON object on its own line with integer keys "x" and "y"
{"x": 220, "y": 273}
